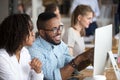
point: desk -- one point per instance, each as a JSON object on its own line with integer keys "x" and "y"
{"x": 109, "y": 73}
{"x": 115, "y": 45}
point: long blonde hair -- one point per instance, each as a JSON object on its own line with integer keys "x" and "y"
{"x": 80, "y": 10}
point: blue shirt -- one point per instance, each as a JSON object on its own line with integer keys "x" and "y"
{"x": 53, "y": 57}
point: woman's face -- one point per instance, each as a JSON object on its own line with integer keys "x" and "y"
{"x": 85, "y": 20}
{"x": 30, "y": 38}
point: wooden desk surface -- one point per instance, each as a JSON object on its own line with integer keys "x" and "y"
{"x": 109, "y": 73}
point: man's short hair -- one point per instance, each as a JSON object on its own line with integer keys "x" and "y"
{"x": 43, "y": 17}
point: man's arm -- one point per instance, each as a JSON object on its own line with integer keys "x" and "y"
{"x": 79, "y": 63}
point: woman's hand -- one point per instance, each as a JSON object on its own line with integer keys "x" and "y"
{"x": 36, "y": 65}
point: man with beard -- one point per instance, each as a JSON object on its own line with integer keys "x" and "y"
{"x": 53, "y": 52}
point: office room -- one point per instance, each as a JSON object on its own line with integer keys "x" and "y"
{"x": 81, "y": 30}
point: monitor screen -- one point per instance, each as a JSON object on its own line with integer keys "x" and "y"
{"x": 103, "y": 44}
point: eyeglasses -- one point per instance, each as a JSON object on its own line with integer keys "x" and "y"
{"x": 55, "y": 29}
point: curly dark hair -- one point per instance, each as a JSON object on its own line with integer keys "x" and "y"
{"x": 13, "y": 32}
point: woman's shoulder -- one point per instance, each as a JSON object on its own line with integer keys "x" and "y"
{"x": 25, "y": 52}
{"x": 4, "y": 57}
{"x": 24, "y": 49}
{"x": 72, "y": 31}
{"x": 71, "y": 28}
{"x": 3, "y": 52}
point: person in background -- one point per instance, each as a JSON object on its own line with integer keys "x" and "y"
{"x": 15, "y": 61}
{"x": 21, "y": 8}
{"x": 118, "y": 10}
{"x": 53, "y": 52}
{"x": 53, "y": 7}
{"x": 73, "y": 37}
{"x": 95, "y": 7}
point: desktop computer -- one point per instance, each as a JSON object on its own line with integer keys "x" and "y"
{"x": 103, "y": 44}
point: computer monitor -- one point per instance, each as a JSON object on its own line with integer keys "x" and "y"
{"x": 103, "y": 44}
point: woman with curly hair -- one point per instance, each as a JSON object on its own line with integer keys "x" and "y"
{"x": 15, "y": 61}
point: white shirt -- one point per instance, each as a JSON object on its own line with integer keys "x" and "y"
{"x": 92, "y": 3}
{"x": 75, "y": 41}
{"x": 10, "y": 69}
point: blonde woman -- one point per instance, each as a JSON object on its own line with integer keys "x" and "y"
{"x": 73, "y": 37}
